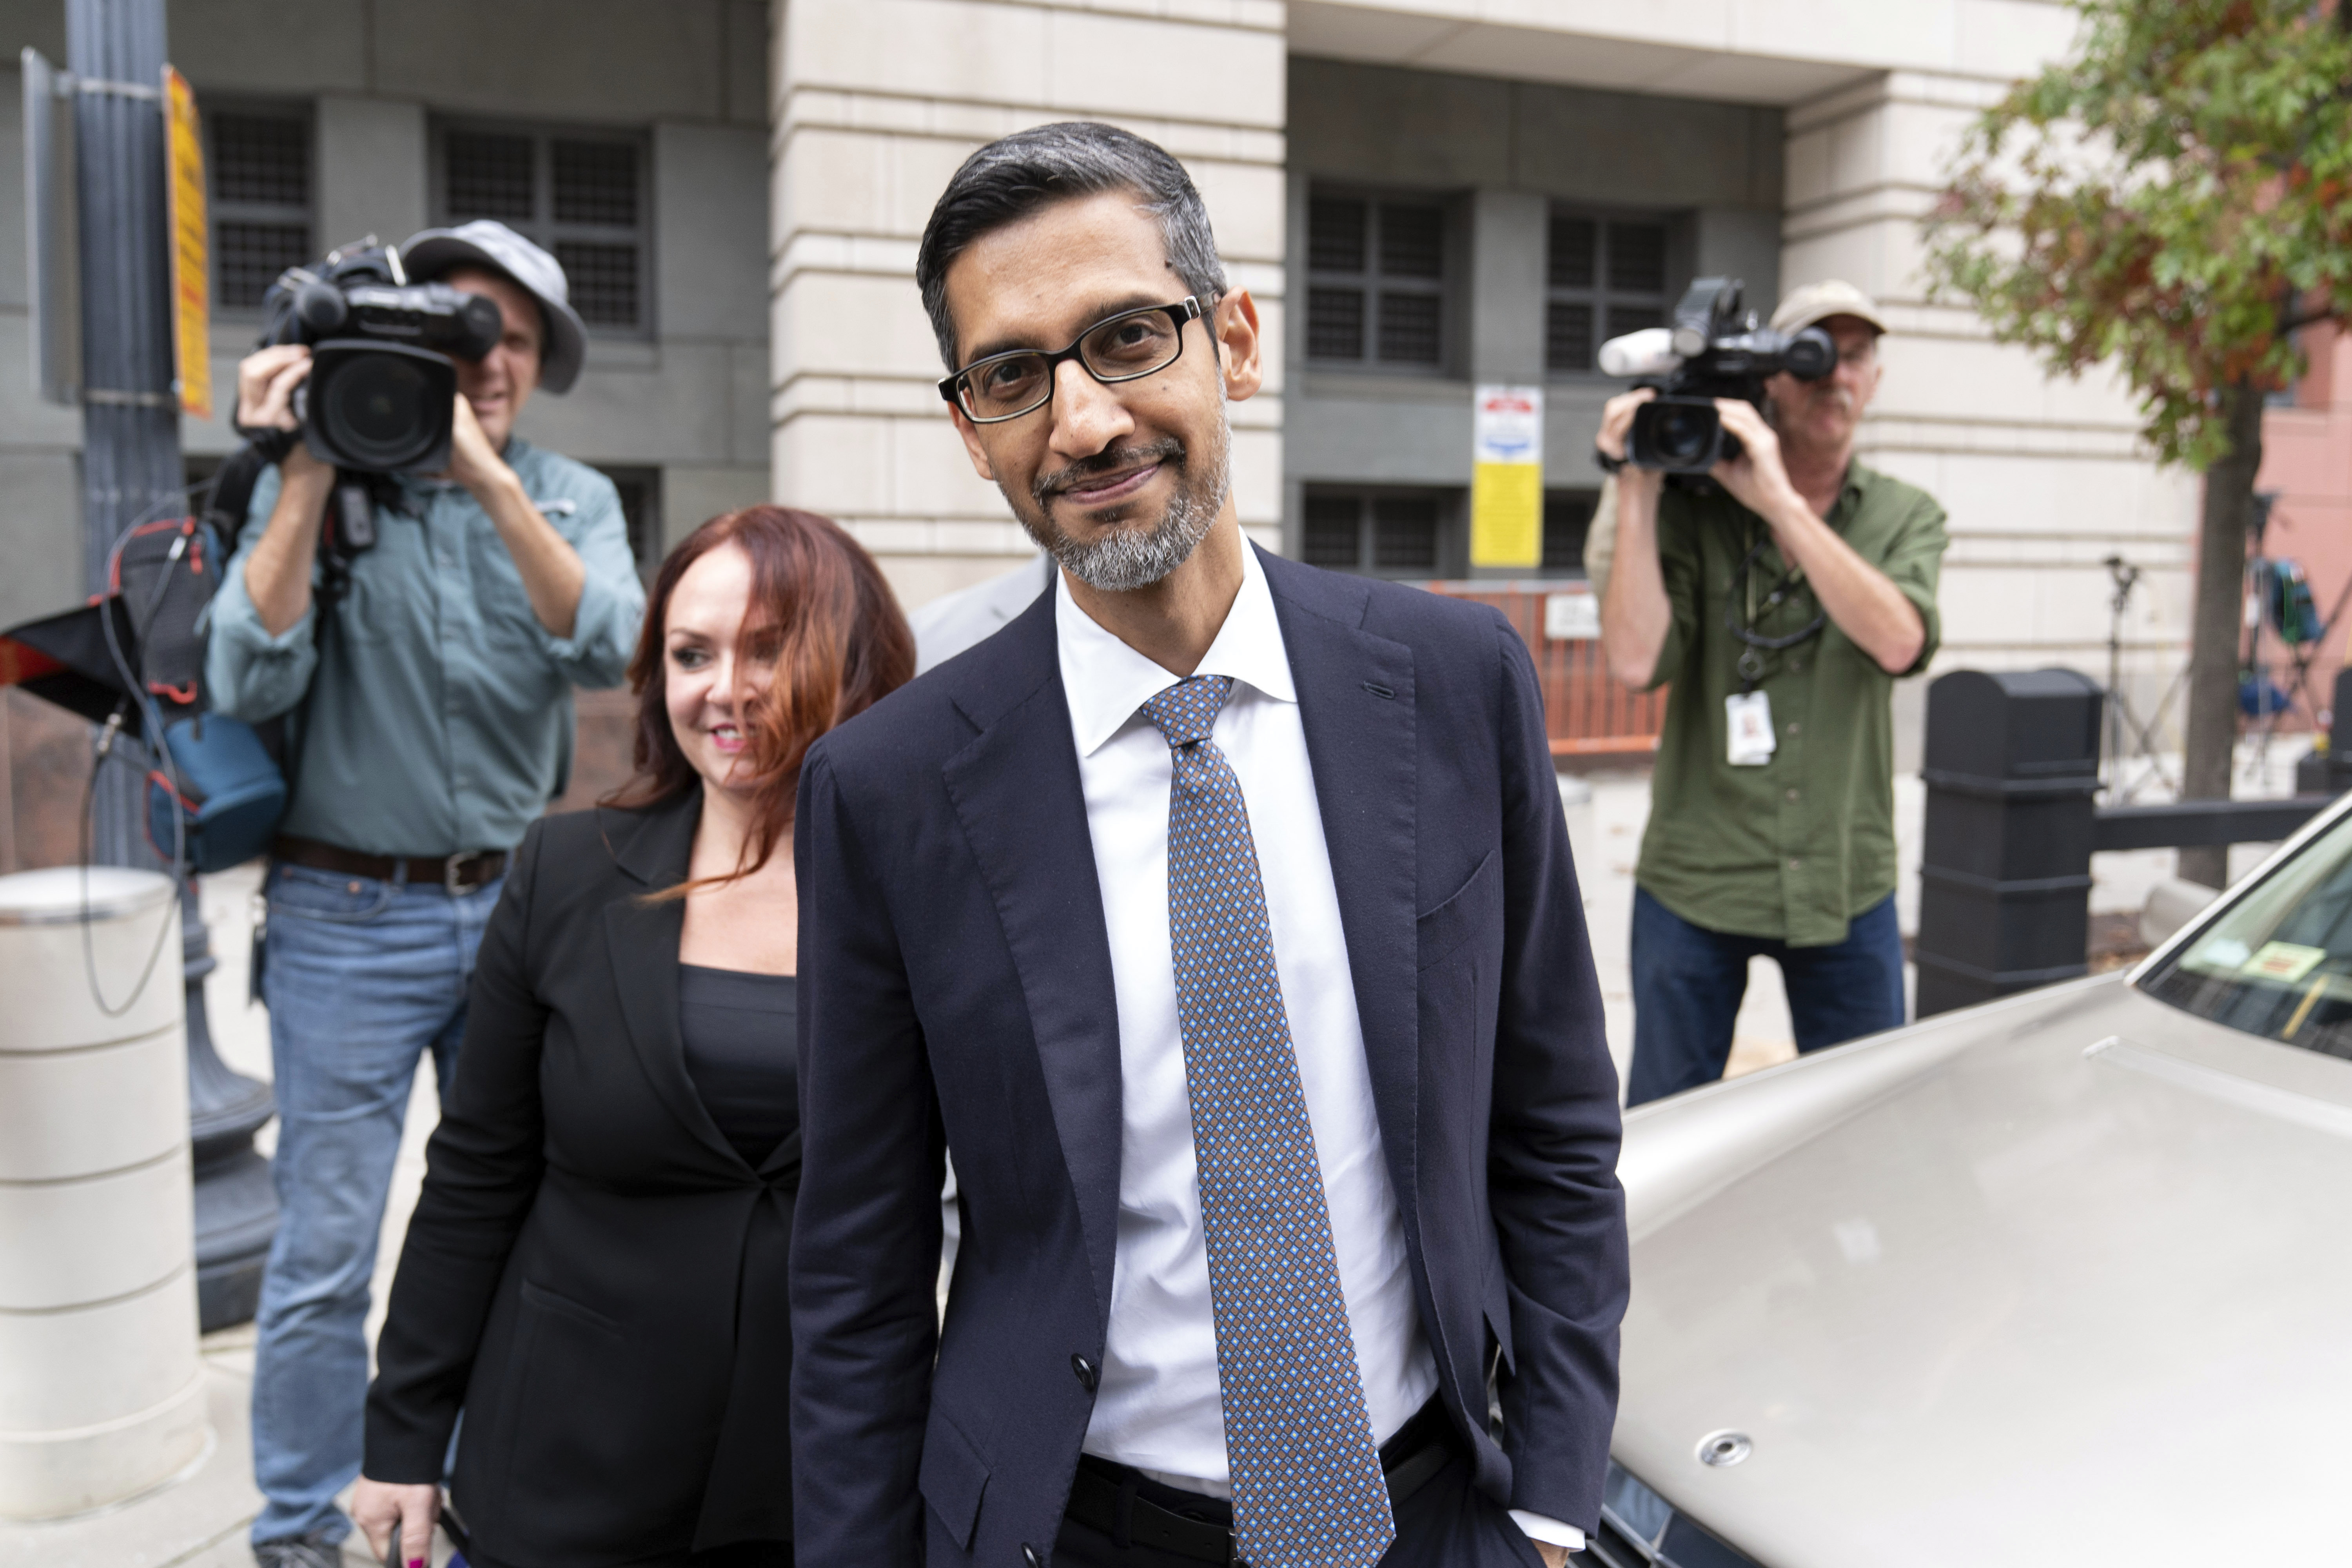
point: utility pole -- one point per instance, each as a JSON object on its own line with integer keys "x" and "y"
{"x": 132, "y": 472}
{"x": 131, "y": 415}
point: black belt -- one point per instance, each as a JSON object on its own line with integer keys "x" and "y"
{"x": 455, "y": 872}
{"x": 1104, "y": 1491}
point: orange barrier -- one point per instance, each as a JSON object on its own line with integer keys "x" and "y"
{"x": 1586, "y": 711}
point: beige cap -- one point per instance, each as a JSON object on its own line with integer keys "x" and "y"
{"x": 1819, "y": 301}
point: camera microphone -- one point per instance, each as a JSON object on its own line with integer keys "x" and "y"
{"x": 1649, "y": 352}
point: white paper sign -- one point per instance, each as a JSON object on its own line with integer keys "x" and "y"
{"x": 1508, "y": 425}
{"x": 1572, "y": 614}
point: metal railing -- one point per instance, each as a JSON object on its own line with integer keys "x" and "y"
{"x": 1586, "y": 711}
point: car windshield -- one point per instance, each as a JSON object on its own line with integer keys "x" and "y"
{"x": 2279, "y": 964}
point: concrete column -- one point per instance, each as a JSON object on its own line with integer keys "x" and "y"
{"x": 2042, "y": 478}
{"x": 875, "y": 103}
{"x": 372, "y": 170}
{"x": 1508, "y": 251}
{"x": 101, "y": 1394}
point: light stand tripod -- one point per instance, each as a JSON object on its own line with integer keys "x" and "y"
{"x": 2127, "y": 736}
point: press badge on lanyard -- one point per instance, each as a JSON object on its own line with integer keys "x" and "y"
{"x": 1747, "y": 712}
{"x": 1748, "y": 723}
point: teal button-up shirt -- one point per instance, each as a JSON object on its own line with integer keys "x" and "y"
{"x": 440, "y": 712}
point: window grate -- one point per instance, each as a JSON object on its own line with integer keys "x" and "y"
{"x": 490, "y": 177}
{"x": 262, "y": 158}
{"x": 258, "y": 166}
{"x": 604, "y": 280}
{"x": 1567, "y": 521}
{"x": 1413, "y": 241}
{"x": 1380, "y": 533}
{"x": 581, "y": 196}
{"x": 1335, "y": 323}
{"x": 1377, "y": 281}
{"x": 1409, "y": 328}
{"x": 640, "y": 491}
{"x": 1404, "y": 533}
{"x": 1335, "y": 235}
{"x": 1334, "y": 524}
{"x": 1607, "y": 277}
{"x": 596, "y": 182}
{"x": 1637, "y": 257}
{"x": 1568, "y": 334}
{"x": 1574, "y": 242}
{"x": 248, "y": 257}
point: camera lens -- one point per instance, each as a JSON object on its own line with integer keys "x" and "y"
{"x": 1677, "y": 435}
{"x": 384, "y": 409}
{"x": 377, "y": 408}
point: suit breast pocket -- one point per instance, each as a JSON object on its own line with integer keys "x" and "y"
{"x": 1470, "y": 909}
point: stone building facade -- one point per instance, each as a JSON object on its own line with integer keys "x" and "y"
{"x": 1422, "y": 195}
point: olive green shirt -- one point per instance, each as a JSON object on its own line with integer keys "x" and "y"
{"x": 1798, "y": 847}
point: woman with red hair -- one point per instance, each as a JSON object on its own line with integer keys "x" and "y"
{"x": 596, "y": 1272}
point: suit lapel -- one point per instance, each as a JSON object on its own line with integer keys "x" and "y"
{"x": 1017, "y": 795}
{"x": 653, "y": 848}
{"x": 1360, "y": 741}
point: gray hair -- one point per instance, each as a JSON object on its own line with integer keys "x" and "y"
{"x": 1015, "y": 175}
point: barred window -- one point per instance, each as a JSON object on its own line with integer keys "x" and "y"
{"x": 1567, "y": 521}
{"x": 641, "y": 510}
{"x": 580, "y": 193}
{"x": 1607, "y": 277}
{"x": 1381, "y": 533}
{"x": 258, "y": 161}
{"x": 1377, "y": 281}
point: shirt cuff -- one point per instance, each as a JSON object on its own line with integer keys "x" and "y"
{"x": 604, "y": 634}
{"x": 1550, "y": 1531}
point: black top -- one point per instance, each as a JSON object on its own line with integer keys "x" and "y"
{"x": 593, "y": 1274}
{"x": 738, "y": 1032}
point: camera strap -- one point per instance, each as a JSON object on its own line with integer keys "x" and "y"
{"x": 1741, "y": 612}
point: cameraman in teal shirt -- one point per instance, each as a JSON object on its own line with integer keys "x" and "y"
{"x": 429, "y": 721}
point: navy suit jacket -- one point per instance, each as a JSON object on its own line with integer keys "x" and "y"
{"x": 956, "y": 992}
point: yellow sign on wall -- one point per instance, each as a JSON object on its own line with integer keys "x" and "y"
{"x": 191, "y": 284}
{"x": 1507, "y": 477}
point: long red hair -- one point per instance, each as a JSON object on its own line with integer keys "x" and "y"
{"x": 840, "y": 644}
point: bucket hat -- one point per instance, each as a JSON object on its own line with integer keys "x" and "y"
{"x": 486, "y": 242}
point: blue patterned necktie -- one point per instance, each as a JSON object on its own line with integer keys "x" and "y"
{"x": 1308, "y": 1487}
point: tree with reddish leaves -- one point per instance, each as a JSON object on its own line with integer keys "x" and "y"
{"x": 2174, "y": 199}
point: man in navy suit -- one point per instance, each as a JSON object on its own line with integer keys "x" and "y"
{"x": 1217, "y": 915}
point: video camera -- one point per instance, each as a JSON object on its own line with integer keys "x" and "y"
{"x": 1713, "y": 350}
{"x": 382, "y": 392}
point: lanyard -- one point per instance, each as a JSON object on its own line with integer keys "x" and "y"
{"x": 1743, "y": 593}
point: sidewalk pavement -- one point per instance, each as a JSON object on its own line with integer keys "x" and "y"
{"x": 200, "y": 1519}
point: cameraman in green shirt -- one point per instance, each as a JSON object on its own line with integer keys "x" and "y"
{"x": 1782, "y": 608}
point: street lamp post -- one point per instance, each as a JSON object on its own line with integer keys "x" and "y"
{"x": 132, "y": 472}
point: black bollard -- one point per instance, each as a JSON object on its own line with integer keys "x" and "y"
{"x": 2012, "y": 764}
{"x": 236, "y": 1207}
{"x": 2330, "y": 771}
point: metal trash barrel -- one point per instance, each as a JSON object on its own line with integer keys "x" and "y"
{"x": 101, "y": 1390}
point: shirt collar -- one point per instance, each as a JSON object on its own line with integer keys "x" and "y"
{"x": 1107, "y": 682}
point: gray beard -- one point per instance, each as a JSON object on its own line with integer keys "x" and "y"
{"x": 1125, "y": 559}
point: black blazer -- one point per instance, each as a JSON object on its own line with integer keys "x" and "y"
{"x": 593, "y": 1274}
{"x": 956, "y": 990}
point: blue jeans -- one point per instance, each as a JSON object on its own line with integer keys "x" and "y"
{"x": 361, "y": 978}
{"x": 1688, "y": 982}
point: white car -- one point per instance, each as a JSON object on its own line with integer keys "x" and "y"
{"x": 2062, "y": 1280}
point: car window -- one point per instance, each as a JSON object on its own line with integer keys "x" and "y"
{"x": 2278, "y": 963}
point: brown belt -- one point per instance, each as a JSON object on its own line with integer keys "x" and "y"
{"x": 455, "y": 872}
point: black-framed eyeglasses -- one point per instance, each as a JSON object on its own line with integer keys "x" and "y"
{"x": 1125, "y": 347}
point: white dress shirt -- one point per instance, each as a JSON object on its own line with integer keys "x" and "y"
{"x": 1158, "y": 1405}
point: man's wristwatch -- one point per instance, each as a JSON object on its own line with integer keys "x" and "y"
{"x": 1604, "y": 462}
